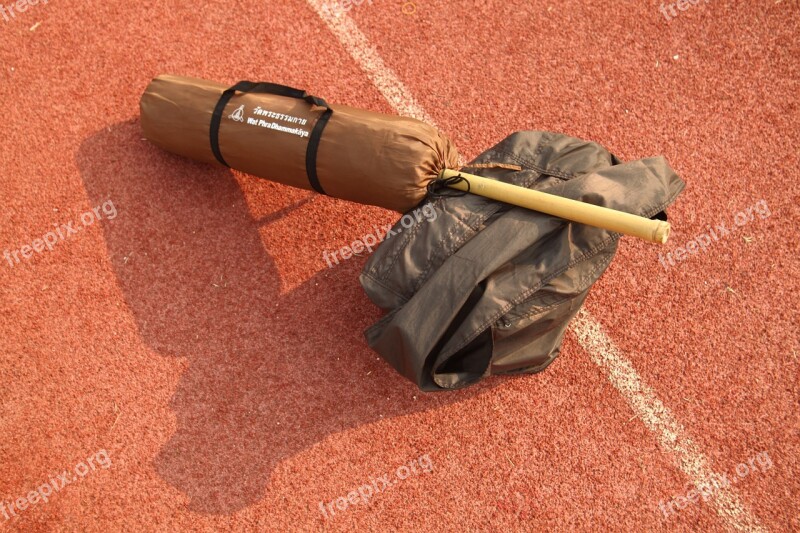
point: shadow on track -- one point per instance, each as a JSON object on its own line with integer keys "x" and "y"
{"x": 268, "y": 374}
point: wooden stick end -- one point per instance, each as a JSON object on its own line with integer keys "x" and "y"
{"x": 662, "y": 233}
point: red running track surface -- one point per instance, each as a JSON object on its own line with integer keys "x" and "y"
{"x": 196, "y": 347}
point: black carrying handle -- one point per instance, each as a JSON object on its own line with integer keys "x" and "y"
{"x": 278, "y": 90}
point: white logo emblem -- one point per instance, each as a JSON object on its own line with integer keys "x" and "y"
{"x": 238, "y": 115}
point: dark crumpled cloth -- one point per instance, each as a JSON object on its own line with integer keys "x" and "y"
{"x": 487, "y": 288}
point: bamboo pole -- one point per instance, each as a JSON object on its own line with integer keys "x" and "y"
{"x": 656, "y": 231}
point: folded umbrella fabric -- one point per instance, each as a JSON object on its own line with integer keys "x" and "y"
{"x": 486, "y": 288}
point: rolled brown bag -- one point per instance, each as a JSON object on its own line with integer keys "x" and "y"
{"x": 285, "y": 135}
{"x": 288, "y": 136}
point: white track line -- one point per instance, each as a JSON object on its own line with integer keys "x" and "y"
{"x": 671, "y": 435}
{"x": 368, "y": 59}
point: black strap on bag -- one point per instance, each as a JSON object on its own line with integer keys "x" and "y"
{"x": 278, "y": 90}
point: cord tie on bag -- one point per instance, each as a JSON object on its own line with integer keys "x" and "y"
{"x": 440, "y": 187}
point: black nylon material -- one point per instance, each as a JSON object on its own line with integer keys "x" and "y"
{"x": 536, "y": 269}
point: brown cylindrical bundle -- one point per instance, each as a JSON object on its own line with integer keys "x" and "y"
{"x": 362, "y": 156}
{"x": 285, "y": 135}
